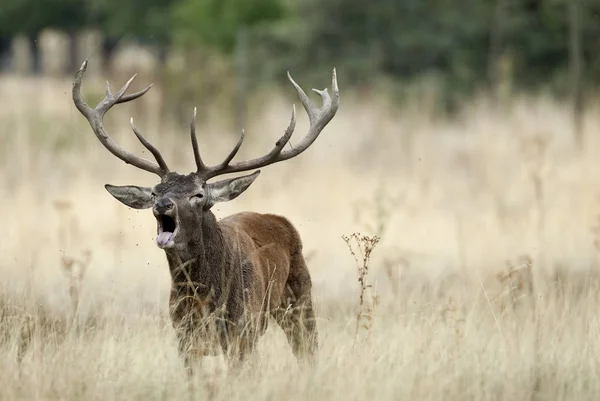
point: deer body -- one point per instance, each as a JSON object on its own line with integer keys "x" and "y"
{"x": 245, "y": 274}
{"x": 227, "y": 276}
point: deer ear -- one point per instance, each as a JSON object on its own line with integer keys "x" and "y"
{"x": 132, "y": 196}
{"x": 226, "y": 190}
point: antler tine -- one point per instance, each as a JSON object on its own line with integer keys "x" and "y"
{"x": 133, "y": 96}
{"x": 124, "y": 88}
{"x": 285, "y": 138}
{"x": 95, "y": 119}
{"x": 122, "y": 98}
{"x": 155, "y": 152}
{"x": 234, "y": 151}
{"x": 199, "y": 163}
{"x": 203, "y": 170}
{"x": 308, "y": 106}
{"x": 318, "y": 118}
{"x": 81, "y": 105}
{"x": 107, "y": 92}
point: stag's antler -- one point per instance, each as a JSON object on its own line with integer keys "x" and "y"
{"x": 95, "y": 117}
{"x": 318, "y": 118}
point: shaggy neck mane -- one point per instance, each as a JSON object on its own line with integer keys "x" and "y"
{"x": 204, "y": 263}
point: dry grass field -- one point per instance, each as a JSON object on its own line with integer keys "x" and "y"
{"x": 484, "y": 284}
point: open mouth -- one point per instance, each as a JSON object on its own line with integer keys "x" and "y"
{"x": 167, "y": 229}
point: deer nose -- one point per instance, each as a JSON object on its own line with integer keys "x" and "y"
{"x": 163, "y": 205}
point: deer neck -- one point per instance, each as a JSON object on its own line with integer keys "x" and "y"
{"x": 203, "y": 259}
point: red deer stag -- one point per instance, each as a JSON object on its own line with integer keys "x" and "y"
{"x": 227, "y": 276}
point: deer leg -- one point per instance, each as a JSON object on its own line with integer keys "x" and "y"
{"x": 236, "y": 345}
{"x": 185, "y": 353}
{"x": 239, "y": 352}
{"x": 296, "y": 315}
{"x": 300, "y": 329}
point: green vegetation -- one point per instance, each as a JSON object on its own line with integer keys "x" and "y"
{"x": 462, "y": 45}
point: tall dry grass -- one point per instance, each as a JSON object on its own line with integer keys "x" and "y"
{"x": 484, "y": 282}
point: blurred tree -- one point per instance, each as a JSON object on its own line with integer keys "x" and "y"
{"x": 31, "y": 16}
{"x": 211, "y": 30}
{"x": 397, "y": 39}
{"x": 147, "y": 20}
{"x": 217, "y": 23}
{"x": 117, "y": 18}
{"x": 457, "y": 43}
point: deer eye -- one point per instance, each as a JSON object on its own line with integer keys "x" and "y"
{"x": 197, "y": 196}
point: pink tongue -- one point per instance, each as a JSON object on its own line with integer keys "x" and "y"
{"x": 164, "y": 238}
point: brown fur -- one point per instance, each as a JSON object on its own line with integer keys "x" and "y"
{"x": 253, "y": 267}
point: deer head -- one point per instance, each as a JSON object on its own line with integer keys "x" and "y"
{"x": 180, "y": 201}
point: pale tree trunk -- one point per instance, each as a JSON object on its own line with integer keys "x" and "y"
{"x": 576, "y": 68}
{"x": 495, "y": 51}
